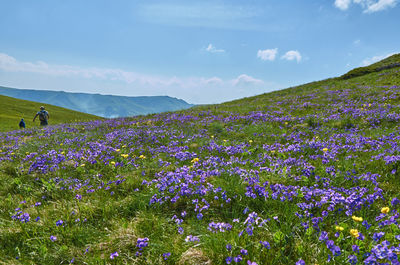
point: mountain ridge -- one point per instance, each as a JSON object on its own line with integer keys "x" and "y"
{"x": 109, "y": 106}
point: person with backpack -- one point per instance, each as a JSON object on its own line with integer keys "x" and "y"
{"x": 43, "y": 116}
{"x": 22, "y": 124}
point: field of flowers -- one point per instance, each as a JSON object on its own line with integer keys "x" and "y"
{"x": 307, "y": 175}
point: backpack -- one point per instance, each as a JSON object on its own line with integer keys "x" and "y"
{"x": 43, "y": 115}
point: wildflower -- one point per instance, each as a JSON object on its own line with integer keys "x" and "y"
{"x": 59, "y": 222}
{"x": 265, "y": 244}
{"x": 355, "y": 248}
{"x": 352, "y": 259}
{"x": 124, "y": 155}
{"x": 339, "y": 228}
{"x": 250, "y": 141}
{"x": 82, "y": 165}
{"x": 191, "y": 238}
{"x": 195, "y": 160}
{"x": 142, "y": 242}
{"x": 114, "y": 255}
{"x": 354, "y": 233}
{"x": 385, "y": 210}
{"x": 112, "y": 163}
{"x": 228, "y": 260}
{"x": 229, "y": 247}
{"x": 142, "y": 157}
{"x": 357, "y": 219}
{"x": 166, "y": 255}
{"x": 300, "y": 262}
{"x": 117, "y": 150}
{"x": 325, "y": 150}
{"x": 238, "y": 259}
{"x": 53, "y": 238}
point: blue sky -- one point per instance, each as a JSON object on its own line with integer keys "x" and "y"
{"x": 200, "y": 51}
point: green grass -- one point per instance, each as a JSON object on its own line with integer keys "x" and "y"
{"x": 12, "y": 110}
{"x": 113, "y": 219}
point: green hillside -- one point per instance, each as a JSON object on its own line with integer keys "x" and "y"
{"x": 304, "y": 175}
{"x": 374, "y": 78}
{"x": 12, "y": 110}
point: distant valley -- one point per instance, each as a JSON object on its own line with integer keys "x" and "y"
{"x": 107, "y": 106}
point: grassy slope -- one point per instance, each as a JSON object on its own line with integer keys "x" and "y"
{"x": 12, "y": 110}
{"x": 116, "y": 220}
{"x": 367, "y": 77}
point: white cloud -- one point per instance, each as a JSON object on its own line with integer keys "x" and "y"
{"x": 369, "y": 6}
{"x": 356, "y": 42}
{"x": 245, "y": 80}
{"x": 267, "y": 55}
{"x": 211, "y": 48}
{"x": 375, "y": 59}
{"x": 380, "y": 5}
{"x": 342, "y": 4}
{"x": 127, "y": 83}
{"x": 292, "y": 55}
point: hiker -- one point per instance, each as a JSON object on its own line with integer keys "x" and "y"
{"x": 43, "y": 116}
{"x": 22, "y": 124}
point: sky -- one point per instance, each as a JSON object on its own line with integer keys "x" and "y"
{"x": 200, "y": 51}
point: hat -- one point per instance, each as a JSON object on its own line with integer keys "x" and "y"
{"x": 41, "y": 107}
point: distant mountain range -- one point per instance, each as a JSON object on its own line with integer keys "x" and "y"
{"x": 107, "y": 106}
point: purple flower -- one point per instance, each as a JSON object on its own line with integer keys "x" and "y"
{"x": 237, "y": 259}
{"x": 53, "y": 238}
{"x": 243, "y": 252}
{"x": 59, "y": 222}
{"x": 265, "y": 244}
{"x": 166, "y": 255}
{"x": 323, "y": 236}
{"x": 352, "y": 259}
{"x": 228, "y": 260}
{"x": 229, "y": 247}
{"x": 356, "y": 248}
{"x": 300, "y": 262}
{"x": 142, "y": 242}
{"x": 114, "y": 255}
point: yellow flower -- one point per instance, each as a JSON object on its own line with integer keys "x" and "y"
{"x": 82, "y": 165}
{"x": 62, "y": 152}
{"x": 124, "y": 155}
{"x": 325, "y": 149}
{"x": 354, "y": 233}
{"x": 225, "y": 141}
{"x": 250, "y": 141}
{"x": 117, "y": 150}
{"x": 112, "y": 163}
{"x": 357, "y": 219}
{"x": 385, "y": 210}
{"x": 61, "y": 144}
{"x": 339, "y": 228}
{"x": 194, "y": 160}
{"x": 142, "y": 157}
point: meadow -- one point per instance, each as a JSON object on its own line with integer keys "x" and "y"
{"x": 305, "y": 175}
{"x": 12, "y": 110}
